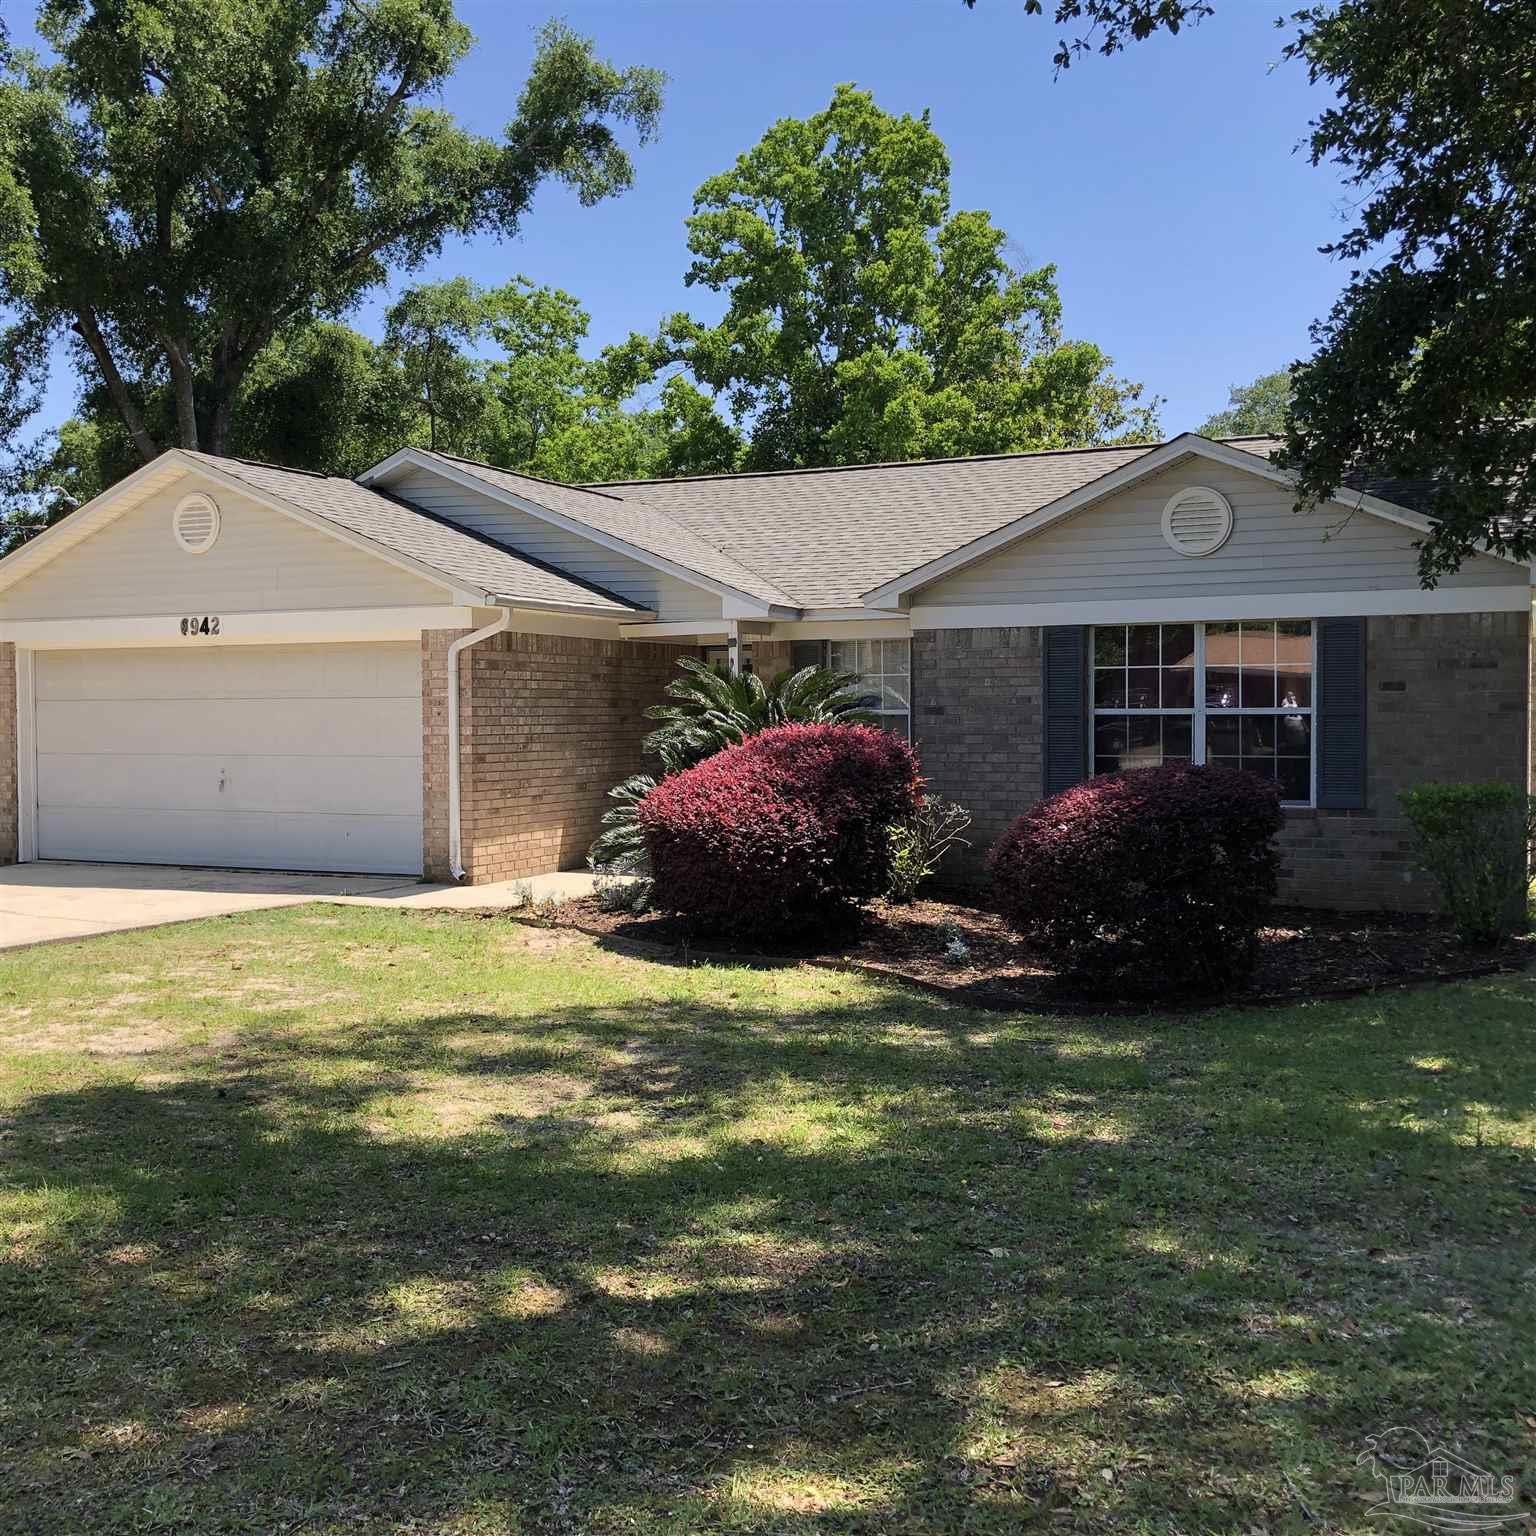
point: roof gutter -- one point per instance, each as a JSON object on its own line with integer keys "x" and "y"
{"x": 455, "y": 748}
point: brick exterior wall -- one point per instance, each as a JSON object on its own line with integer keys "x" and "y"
{"x": 548, "y": 724}
{"x": 7, "y": 753}
{"x": 976, "y": 723}
{"x": 1448, "y": 697}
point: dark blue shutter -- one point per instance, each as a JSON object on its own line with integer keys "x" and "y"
{"x": 1066, "y": 706}
{"x": 1340, "y": 721}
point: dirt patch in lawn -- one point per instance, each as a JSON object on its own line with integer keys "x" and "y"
{"x": 1302, "y": 954}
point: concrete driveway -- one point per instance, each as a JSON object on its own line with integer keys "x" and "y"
{"x": 43, "y": 902}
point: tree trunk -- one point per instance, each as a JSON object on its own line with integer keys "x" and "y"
{"x": 86, "y": 327}
{"x": 186, "y": 398}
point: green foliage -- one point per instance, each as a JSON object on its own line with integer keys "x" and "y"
{"x": 1111, "y": 24}
{"x": 865, "y": 321}
{"x": 1254, "y": 409}
{"x": 1475, "y": 841}
{"x": 1424, "y": 366}
{"x": 919, "y": 845}
{"x": 710, "y": 708}
{"x": 180, "y": 185}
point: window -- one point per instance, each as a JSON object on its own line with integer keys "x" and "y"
{"x": 883, "y": 666}
{"x": 1237, "y": 695}
{"x": 719, "y": 656}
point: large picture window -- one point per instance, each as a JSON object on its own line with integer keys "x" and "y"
{"x": 1236, "y": 695}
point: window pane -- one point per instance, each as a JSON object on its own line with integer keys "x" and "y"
{"x": 1258, "y": 644}
{"x": 1294, "y": 690}
{"x": 1258, "y": 735}
{"x": 1179, "y": 645}
{"x": 1221, "y": 736}
{"x": 1221, "y": 688}
{"x": 1178, "y": 736}
{"x": 1225, "y": 762}
{"x": 1221, "y": 645}
{"x": 1258, "y": 689}
{"x": 1295, "y": 777}
{"x": 1178, "y": 688}
{"x": 1143, "y": 645}
{"x": 893, "y": 658}
{"x": 1264, "y": 767}
{"x": 844, "y": 656}
{"x": 1295, "y": 735}
{"x": 893, "y": 695}
{"x": 1109, "y": 645}
{"x": 1141, "y": 688}
{"x": 1109, "y": 688}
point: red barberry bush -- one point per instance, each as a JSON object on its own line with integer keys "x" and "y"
{"x": 782, "y": 832}
{"x": 1149, "y": 883}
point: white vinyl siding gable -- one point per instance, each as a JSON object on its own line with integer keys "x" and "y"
{"x": 262, "y": 561}
{"x": 667, "y": 596}
{"x": 1116, "y": 547}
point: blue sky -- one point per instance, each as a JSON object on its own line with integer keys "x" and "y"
{"x": 1165, "y": 183}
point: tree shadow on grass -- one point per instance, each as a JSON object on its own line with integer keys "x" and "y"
{"x": 694, "y": 1264}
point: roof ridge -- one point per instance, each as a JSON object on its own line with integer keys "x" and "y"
{"x": 501, "y": 469}
{"x": 287, "y": 469}
{"x": 842, "y": 469}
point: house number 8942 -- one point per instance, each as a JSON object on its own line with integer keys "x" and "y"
{"x": 194, "y": 628}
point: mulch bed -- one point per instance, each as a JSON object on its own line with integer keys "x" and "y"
{"x": 1304, "y": 954}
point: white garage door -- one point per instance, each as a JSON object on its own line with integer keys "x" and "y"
{"x": 253, "y": 757}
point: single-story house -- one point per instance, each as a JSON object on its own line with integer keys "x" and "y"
{"x": 439, "y": 668}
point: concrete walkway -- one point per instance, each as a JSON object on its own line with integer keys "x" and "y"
{"x": 44, "y": 903}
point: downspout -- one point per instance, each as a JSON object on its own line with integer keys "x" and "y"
{"x": 455, "y": 836}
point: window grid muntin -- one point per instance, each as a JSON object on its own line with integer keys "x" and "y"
{"x": 1201, "y": 711}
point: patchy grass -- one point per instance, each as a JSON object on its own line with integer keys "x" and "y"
{"x": 333, "y": 1220}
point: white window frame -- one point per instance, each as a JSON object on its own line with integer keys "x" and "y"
{"x": 1199, "y": 712}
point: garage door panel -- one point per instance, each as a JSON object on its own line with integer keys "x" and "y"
{"x": 211, "y": 672}
{"x": 282, "y": 757}
{"x": 250, "y": 840}
{"x": 243, "y": 727}
{"x": 193, "y": 782}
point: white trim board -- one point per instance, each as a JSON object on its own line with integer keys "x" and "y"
{"x": 1265, "y": 605}
{"x": 297, "y": 627}
{"x": 1154, "y": 461}
{"x": 26, "y": 757}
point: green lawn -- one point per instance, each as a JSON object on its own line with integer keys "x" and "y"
{"x": 341, "y": 1221}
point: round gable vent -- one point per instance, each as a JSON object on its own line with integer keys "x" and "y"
{"x": 195, "y": 522}
{"x": 1198, "y": 521}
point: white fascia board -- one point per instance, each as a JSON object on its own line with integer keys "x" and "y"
{"x": 1154, "y": 461}
{"x": 313, "y": 626}
{"x": 678, "y": 629}
{"x": 411, "y": 458}
{"x": 1131, "y": 609}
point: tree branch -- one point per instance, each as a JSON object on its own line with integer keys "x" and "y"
{"x": 88, "y": 329}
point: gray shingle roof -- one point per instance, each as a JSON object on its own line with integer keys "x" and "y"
{"x": 831, "y": 535}
{"x": 462, "y": 556}
{"x": 638, "y": 521}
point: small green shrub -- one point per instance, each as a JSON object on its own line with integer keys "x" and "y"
{"x": 1474, "y": 841}
{"x": 918, "y": 845}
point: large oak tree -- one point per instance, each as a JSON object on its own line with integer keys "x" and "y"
{"x": 184, "y": 180}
